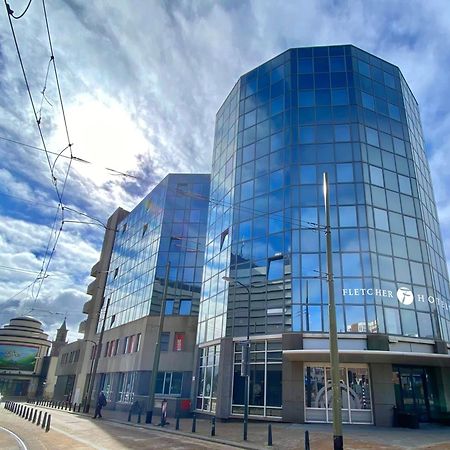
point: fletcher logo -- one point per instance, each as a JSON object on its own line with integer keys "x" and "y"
{"x": 405, "y": 296}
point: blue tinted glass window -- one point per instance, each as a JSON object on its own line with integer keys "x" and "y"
{"x": 276, "y": 141}
{"x": 324, "y": 133}
{"x": 364, "y": 68}
{"x": 337, "y": 64}
{"x": 342, "y": 133}
{"x": 308, "y": 174}
{"x": 306, "y": 115}
{"x": 305, "y": 65}
{"x": 323, "y": 97}
{"x": 344, "y": 173}
{"x": 321, "y": 64}
{"x": 262, "y": 147}
{"x": 381, "y": 219}
{"x": 250, "y": 119}
{"x": 277, "y": 105}
{"x": 338, "y": 80}
{"x": 249, "y": 135}
{"x": 399, "y": 147}
{"x": 372, "y": 136}
{"x": 277, "y": 123}
{"x": 339, "y": 97}
{"x": 347, "y": 216}
{"x": 306, "y": 135}
{"x": 169, "y": 307}
{"x": 310, "y": 264}
{"x": 394, "y": 111}
{"x": 247, "y": 190}
{"x": 276, "y": 269}
{"x": 376, "y": 176}
{"x": 351, "y": 265}
{"x": 306, "y": 81}
{"x": 185, "y": 307}
{"x": 277, "y": 89}
{"x": 277, "y": 74}
{"x": 323, "y": 113}
{"x": 306, "y": 98}
{"x": 410, "y": 226}
{"x": 404, "y": 184}
{"x": 389, "y": 80}
{"x": 367, "y": 101}
{"x": 276, "y": 180}
{"x": 322, "y": 80}
{"x": 392, "y": 320}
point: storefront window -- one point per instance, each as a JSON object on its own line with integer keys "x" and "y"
{"x": 355, "y": 394}
{"x": 265, "y": 390}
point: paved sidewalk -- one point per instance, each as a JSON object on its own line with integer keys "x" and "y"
{"x": 291, "y": 436}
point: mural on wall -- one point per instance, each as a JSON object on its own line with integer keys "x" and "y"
{"x": 17, "y": 357}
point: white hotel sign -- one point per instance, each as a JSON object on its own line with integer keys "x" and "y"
{"x": 404, "y": 295}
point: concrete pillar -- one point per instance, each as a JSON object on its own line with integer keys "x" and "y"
{"x": 292, "y": 381}
{"x": 383, "y": 394}
{"x": 224, "y": 383}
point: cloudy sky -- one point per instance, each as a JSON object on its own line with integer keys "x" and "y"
{"x": 141, "y": 83}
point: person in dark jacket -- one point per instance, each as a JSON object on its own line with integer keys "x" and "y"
{"x": 101, "y": 402}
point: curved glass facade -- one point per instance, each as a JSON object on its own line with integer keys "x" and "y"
{"x": 308, "y": 111}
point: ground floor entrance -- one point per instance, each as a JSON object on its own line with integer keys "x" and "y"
{"x": 355, "y": 393}
{"x": 416, "y": 391}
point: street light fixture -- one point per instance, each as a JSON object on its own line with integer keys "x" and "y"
{"x": 245, "y": 356}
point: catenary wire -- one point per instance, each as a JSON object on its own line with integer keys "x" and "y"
{"x": 74, "y": 158}
{"x": 20, "y": 15}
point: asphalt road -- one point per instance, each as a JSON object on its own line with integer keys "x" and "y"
{"x": 69, "y": 431}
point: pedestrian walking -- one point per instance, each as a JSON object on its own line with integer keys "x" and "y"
{"x": 101, "y": 402}
{"x": 163, "y": 413}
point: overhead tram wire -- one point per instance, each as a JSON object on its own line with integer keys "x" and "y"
{"x": 20, "y": 15}
{"x": 74, "y": 158}
{"x": 43, "y": 272}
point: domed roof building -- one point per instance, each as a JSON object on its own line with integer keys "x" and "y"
{"x": 23, "y": 347}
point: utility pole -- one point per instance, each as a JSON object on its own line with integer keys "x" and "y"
{"x": 338, "y": 441}
{"x": 98, "y": 350}
{"x": 155, "y": 367}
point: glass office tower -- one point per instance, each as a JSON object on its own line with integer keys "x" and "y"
{"x": 169, "y": 225}
{"x": 352, "y": 115}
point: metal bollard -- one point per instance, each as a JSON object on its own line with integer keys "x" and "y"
{"x": 65, "y": 406}
{"x": 307, "y": 447}
{"x": 79, "y": 407}
{"x": 49, "y": 418}
{"x": 19, "y": 410}
{"x": 269, "y": 435}
{"x": 27, "y": 411}
{"x": 39, "y": 418}
{"x": 44, "y": 420}
{"x": 74, "y": 408}
{"x": 177, "y": 423}
{"x": 194, "y": 423}
{"x": 129, "y": 416}
{"x": 213, "y": 426}
{"x": 139, "y": 417}
{"x": 31, "y": 414}
{"x": 34, "y": 416}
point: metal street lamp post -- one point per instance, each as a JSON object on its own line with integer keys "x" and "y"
{"x": 97, "y": 357}
{"x": 245, "y": 356}
{"x": 155, "y": 367}
{"x": 86, "y": 405}
{"x": 338, "y": 441}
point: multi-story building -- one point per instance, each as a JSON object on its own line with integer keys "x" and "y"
{"x": 168, "y": 226}
{"x": 341, "y": 111}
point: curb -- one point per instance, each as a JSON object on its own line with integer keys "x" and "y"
{"x": 174, "y": 432}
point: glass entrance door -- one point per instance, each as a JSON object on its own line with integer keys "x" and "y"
{"x": 415, "y": 390}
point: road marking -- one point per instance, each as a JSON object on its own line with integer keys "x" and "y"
{"x": 17, "y": 438}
